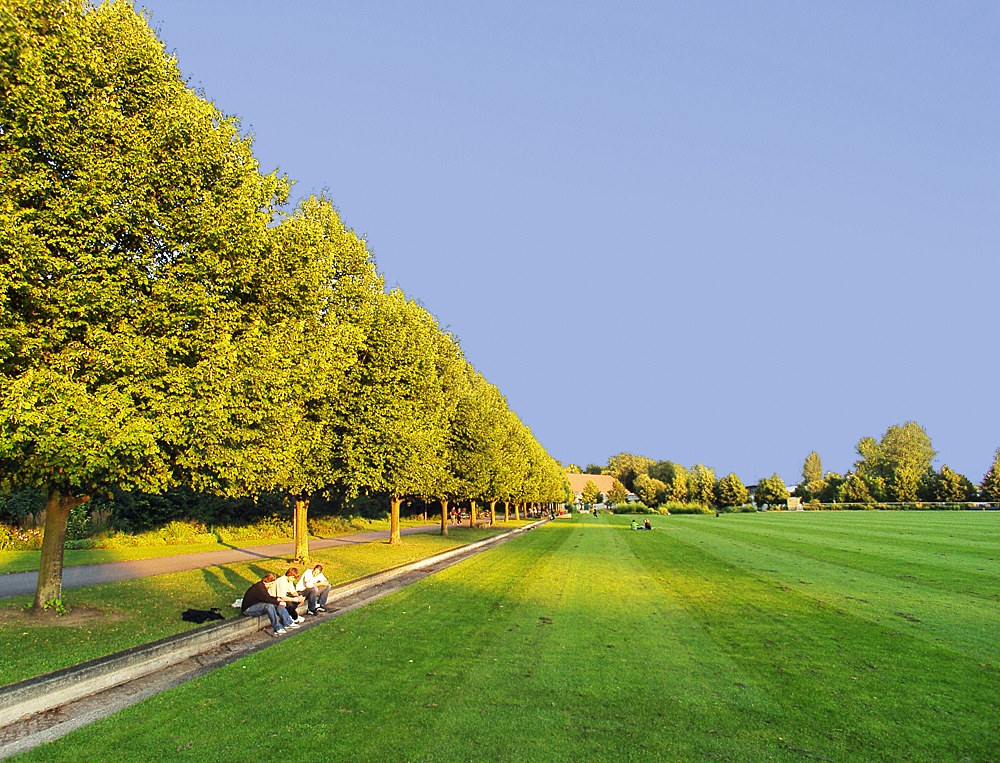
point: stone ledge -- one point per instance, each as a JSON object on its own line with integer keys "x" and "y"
{"x": 43, "y": 692}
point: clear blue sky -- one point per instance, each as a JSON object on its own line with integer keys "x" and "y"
{"x": 728, "y": 233}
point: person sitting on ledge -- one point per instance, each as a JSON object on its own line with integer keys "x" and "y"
{"x": 283, "y": 589}
{"x": 316, "y": 588}
{"x": 257, "y": 601}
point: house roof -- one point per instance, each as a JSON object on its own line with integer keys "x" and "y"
{"x": 577, "y": 482}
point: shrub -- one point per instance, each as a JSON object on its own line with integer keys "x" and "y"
{"x": 78, "y": 522}
{"x": 632, "y": 508}
{"x": 17, "y": 539}
{"x": 19, "y": 505}
{"x": 745, "y": 508}
{"x": 325, "y": 526}
{"x": 263, "y": 529}
{"x": 684, "y": 507}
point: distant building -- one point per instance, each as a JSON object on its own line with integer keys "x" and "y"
{"x": 577, "y": 482}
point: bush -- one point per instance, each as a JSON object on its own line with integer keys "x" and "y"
{"x": 263, "y": 529}
{"x": 746, "y": 508}
{"x": 326, "y": 526}
{"x": 19, "y": 505}
{"x": 16, "y": 539}
{"x": 683, "y": 507}
{"x": 632, "y": 508}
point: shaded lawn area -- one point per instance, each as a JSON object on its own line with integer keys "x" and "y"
{"x": 110, "y": 617}
{"x": 26, "y": 561}
{"x": 705, "y": 639}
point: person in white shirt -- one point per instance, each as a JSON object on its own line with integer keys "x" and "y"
{"x": 284, "y": 590}
{"x": 316, "y": 588}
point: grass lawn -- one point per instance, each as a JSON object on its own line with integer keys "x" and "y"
{"x": 26, "y": 561}
{"x": 113, "y": 616}
{"x": 783, "y": 637}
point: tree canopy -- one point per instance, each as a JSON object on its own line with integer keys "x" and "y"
{"x": 166, "y": 320}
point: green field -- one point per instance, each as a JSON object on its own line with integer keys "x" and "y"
{"x": 787, "y": 637}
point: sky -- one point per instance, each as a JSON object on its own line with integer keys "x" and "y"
{"x": 711, "y": 232}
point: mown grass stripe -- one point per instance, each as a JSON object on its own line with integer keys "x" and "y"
{"x": 931, "y": 568}
{"x": 964, "y": 622}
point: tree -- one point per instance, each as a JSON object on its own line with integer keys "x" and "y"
{"x": 990, "y": 486}
{"x": 573, "y": 469}
{"x": 593, "y": 469}
{"x": 854, "y": 489}
{"x": 701, "y": 485}
{"x": 732, "y": 491}
{"x": 617, "y": 494}
{"x": 831, "y": 488}
{"x": 677, "y": 486}
{"x": 132, "y": 214}
{"x": 812, "y": 483}
{"x": 952, "y": 486}
{"x": 894, "y": 467}
{"x": 650, "y": 491}
{"x": 320, "y": 280}
{"x": 812, "y": 469}
{"x": 590, "y": 493}
{"x": 771, "y": 491}
{"x": 477, "y": 439}
{"x": 390, "y": 427}
{"x": 625, "y": 467}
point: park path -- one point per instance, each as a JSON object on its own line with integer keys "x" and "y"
{"x": 20, "y": 583}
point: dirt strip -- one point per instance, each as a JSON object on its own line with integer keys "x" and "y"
{"x": 34, "y": 730}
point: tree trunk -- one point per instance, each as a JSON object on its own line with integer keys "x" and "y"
{"x": 57, "y": 510}
{"x": 493, "y": 512}
{"x": 517, "y": 512}
{"x": 506, "y": 511}
{"x": 394, "y": 537}
{"x": 300, "y": 527}
{"x": 472, "y": 513}
{"x": 444, "y": 516}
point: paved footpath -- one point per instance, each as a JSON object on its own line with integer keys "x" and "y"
{"x": 20, "y": 583}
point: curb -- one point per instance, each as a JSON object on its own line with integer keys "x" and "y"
{"x": 51, "y": 690}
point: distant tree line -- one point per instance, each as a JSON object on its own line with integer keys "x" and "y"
{"x": 895, "y": 469}
{"x": 666, "y": 483}
{"x": 168, "y": 322}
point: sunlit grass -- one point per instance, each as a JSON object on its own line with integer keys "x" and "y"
{"x": 741, "y": 638}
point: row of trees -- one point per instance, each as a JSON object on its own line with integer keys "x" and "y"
{"x": 167, "y": 320}
{"x": 664, "y": 482}
{"x": 896, "y": 468}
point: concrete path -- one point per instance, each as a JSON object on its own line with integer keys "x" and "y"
{"x": 20, "y": 583}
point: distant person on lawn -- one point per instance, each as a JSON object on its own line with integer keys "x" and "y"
{"x": 283, "y": 589}
{"x": 257, "y": 601}
{"x": 648, "y": 525}
{"x": 316, "y": 588}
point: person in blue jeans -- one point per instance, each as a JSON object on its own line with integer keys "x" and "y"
{"x": 257, "y": 601}
{"x": 315, "y": 587}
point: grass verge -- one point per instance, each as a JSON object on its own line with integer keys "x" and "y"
{"x": 107, "y": 618}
